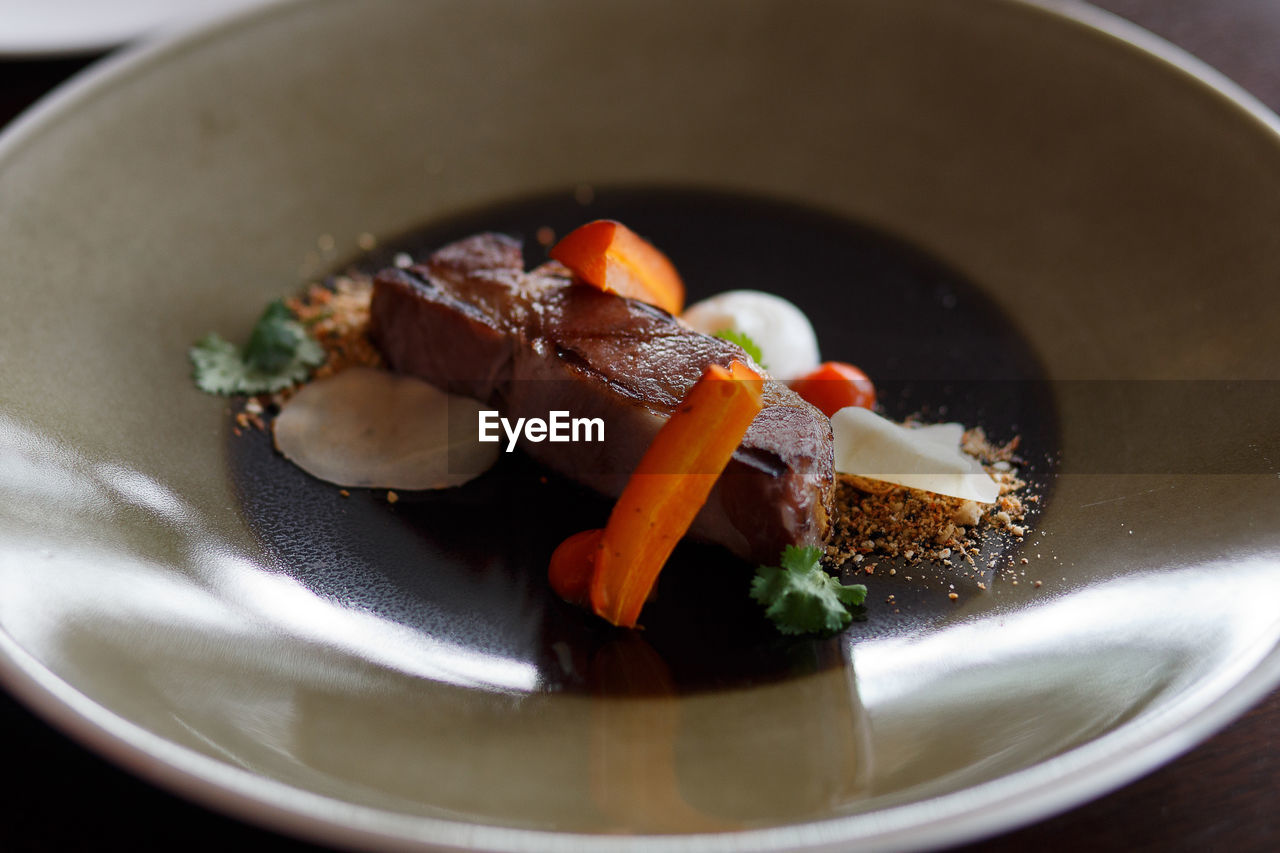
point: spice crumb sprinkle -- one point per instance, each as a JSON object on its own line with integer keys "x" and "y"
{"x": 916, "y": 526}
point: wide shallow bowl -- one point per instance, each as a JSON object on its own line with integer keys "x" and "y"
{"x": 1111, "y": 200}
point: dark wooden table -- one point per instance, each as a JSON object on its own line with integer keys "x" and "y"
{"x": 1223, "y": 795}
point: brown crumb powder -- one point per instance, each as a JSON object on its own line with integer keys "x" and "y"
{"x": 338, "y": 317}
{"x": 883, "y": 520}
{"x": 251, "y": 416}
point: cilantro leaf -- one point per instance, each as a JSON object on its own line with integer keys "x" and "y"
{"x": 274, "y": 340}
{"x": 800, "y": 598}
{"x": 743, "y": 340}
{"x": 280, "y": 353}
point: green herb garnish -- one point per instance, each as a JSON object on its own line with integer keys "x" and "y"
{"x": 801, "y": 598}
{"x": 279, "y": 354}
{"x": 743, "y": 340}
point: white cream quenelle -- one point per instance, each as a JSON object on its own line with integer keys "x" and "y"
{"x": 788, "y": 345}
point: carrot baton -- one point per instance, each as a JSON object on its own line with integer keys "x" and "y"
{"x": 572, "y": 565}
{"x": 609, "y": 255}
{"x": 669, "y": 487}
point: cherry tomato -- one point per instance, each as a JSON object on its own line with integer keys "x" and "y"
{"x": 834, "y": 386}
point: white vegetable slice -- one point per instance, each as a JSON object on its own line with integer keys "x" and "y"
{"x": 788, "y": 345}
{"x": 928, "y": 458}
{"x": 373, "y": 429}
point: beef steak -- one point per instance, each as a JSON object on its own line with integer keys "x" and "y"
{"x": 472, "y": 321}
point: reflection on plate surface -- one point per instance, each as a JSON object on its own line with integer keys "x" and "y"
{"x": 240, "y": 662}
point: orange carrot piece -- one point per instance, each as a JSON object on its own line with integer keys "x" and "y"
{"x": 669, "y": 487}
{"x": 609, "y": 255}
{"x": 572, "y": 564}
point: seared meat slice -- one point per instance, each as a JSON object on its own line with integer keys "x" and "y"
{"x": 471, "y": 320}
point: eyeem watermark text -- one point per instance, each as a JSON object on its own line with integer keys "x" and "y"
{"x": 557, "y": 426}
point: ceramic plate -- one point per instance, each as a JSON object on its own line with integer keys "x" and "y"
{"x": 1038, "y": 218}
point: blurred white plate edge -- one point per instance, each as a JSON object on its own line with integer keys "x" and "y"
{"x": 34, "y": 29}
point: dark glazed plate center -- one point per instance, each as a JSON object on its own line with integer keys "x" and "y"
{"x": 467, "y": 566}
